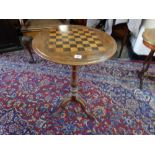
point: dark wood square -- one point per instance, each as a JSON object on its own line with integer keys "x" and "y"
{"x": 73, "y": 45}
{"x": 59, "y": 46}
{"x": 81, "y": 49}
{"x": 58, "y": 40}
{"x": 66, "y": 49}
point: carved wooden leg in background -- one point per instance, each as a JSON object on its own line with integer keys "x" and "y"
{"x": 145, "y": 68}
{"x": 27, "y": 42}
{"x": 123, "y": 43}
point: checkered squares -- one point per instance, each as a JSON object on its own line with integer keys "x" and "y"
{"x": 74, "y": 41}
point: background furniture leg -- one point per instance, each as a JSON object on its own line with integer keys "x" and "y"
{"x": 27, "y": 42}
{"x": 120, "y": 53}
{"x": 145, "y": 68}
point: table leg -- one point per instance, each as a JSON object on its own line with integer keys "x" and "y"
{"x": 74, "y": 96}
{"x": 27, "y": 43}
{"x": 145, "y": 68}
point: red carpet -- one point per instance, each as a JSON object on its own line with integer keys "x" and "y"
{"x": 29, "y": 92}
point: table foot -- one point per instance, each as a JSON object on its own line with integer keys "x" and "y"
{"x": 78, "y": 100}
{"x": 62, "y": 105}
{"x": 83, "y": 106}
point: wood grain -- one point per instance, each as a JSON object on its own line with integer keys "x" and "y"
{"x": 44, "y": 46}
{"x": 149, "y": 36}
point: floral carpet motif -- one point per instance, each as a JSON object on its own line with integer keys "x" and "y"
{"x": 29, "y": 93}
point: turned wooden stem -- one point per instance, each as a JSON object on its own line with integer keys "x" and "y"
{"x": 74, "y": 83}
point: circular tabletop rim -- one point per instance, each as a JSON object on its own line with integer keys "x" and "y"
{"x": 145, "y": 37}
{"x": 40, "y": 53}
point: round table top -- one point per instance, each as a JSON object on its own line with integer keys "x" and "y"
{"x": 149, "y": 36}
{"x": 74, "y": 45}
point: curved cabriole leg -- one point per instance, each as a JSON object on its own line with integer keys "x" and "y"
{"x": 145, "y": 68}
{"x": 64, "y": 102}
{"x": 27, "y": 41}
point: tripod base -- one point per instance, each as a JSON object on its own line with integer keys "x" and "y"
{"x": 77, "y": 99}
{"x": 75, "y": 96}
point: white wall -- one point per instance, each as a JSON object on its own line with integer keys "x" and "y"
{"x": 149, "y": 23}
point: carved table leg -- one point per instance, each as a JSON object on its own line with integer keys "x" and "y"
{"x": 145, "y": 68}
{"x": 74, "y": 96}
{"x": 27, "y": 41}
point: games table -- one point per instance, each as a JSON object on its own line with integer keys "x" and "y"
{"x": 74, "y": 45}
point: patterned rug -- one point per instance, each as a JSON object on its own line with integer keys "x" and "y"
{"x": 30, "y": 92}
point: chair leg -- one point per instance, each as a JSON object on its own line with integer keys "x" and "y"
{"x": 124, "y": 42}
{"x": 30, "y": 53}
{"x": 120, "y": 53}
{"x": 27, "y": 42}
{"x": 145, "y": 68}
